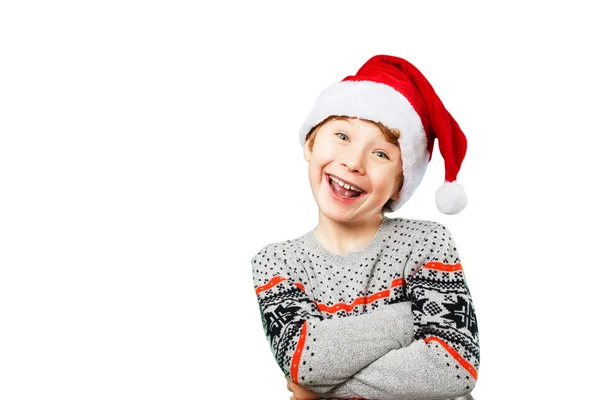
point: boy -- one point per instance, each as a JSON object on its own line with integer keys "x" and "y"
{"x": 367, "y": 306}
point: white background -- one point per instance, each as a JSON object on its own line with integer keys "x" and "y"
{"x": 149, "y": 149}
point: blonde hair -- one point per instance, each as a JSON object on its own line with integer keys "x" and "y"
{"x": 392, "y": 135}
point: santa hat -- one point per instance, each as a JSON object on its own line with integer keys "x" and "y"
{"x": 392, "y": 91}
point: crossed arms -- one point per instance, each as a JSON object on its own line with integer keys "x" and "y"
{"x": 424, "y": 348}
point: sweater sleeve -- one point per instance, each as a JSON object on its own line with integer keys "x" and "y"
{"x": 329, "y": 350}
{"x": 443, "y": 360}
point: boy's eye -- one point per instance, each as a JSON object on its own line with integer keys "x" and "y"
{"x": 381, "y": 152}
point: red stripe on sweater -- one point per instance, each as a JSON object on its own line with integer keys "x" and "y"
{"x": 274, "y": 281}
{"x": 465, "y": 364}
{"x": 340, "y": 306}
{"x": 398, "y": 282}
{"x": 349, "y": 307}
{"x": 298, "y": 354}
{"x": 361, "y": 300}
{"x": 443, "y": 267}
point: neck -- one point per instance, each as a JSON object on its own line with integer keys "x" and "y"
{"x": 343, "y": 237}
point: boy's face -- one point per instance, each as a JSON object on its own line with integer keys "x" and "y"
{"x": 355, "y": 151}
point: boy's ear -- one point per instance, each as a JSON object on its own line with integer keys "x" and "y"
{"x": 307, "y": 152}
{"x": 396, "y": 196}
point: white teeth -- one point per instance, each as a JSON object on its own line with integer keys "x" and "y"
{"x": 344, "y": 184}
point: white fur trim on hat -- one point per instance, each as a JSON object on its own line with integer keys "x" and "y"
{"x": 380, "y": 103}
{"x": 451, "y": 198}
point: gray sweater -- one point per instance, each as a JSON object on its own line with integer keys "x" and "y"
{"x": 394, "y": 320}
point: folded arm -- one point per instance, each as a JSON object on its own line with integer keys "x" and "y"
{"x": 443, "y": 360}
{"x": 308, "y": 348}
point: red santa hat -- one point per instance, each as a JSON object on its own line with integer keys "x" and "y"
{"x": 392, "y": 91}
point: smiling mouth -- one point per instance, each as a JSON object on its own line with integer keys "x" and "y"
{"x": 342, "y": 191}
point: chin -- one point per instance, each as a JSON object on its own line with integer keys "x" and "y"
{"x": 340, "y": 215}
{"x": 335, "y": 214}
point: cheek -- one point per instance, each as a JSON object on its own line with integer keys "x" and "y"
{"x": 318, "y": 162}
{"x": 384, "y": 181}
{"x": 316, "y": 173}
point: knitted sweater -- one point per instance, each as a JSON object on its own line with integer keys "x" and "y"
{"x": 394, "y": 320}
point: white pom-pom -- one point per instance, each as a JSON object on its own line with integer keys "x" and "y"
{"x": 450, "y": 198}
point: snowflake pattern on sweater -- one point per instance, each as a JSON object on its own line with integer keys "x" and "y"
{"x": 394, "y": 320}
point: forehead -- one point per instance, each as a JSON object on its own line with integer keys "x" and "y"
{"x": 354, "y": 124}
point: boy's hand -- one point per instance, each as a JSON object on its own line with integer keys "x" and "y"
{"x": 301, "y": 393}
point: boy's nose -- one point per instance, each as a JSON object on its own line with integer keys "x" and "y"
{"x": 354, "y": 162}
